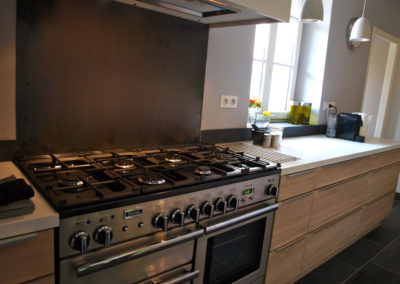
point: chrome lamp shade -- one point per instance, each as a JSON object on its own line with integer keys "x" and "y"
{"x": 361, "y": 31}
{"x": 312, "y": 11}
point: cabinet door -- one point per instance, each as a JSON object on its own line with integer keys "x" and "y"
{"x": 384, "y": 159}
{"x": 373, "y": 213}
{"x": 337, "y": 200}
{"x": 26, "y": 257}
{"x": 297, "y": 184}
{"x": 382, "y": 181}
{"x": 329, "y": 240}
{"x": 291, "y": 220}
{"x": 341, "y": 171}
{"x": 284, "y": 265}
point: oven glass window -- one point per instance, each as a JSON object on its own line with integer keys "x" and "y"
{"x": 234, "y": 254}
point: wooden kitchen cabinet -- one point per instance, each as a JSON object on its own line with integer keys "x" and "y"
{"x": 382, "y": 181}
{"x": 327, "y": 241}
{"x": 384, "y": 159}
{"x": 298, "y": 183}
{"x": 291, "y": 220}
{"x": 334, "y": 201}
{"x": 341, "y": 171}
{"x": 284, "y": 265}
{"x": 27, "y": 257}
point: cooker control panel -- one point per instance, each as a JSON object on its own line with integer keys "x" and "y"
{"x": 113, "y": 226}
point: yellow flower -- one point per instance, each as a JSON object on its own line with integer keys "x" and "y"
{"x": 267, "y": 113}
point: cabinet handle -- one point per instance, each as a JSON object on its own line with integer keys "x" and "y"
{"x": 17, "y": 239}
{"x": 343, "y": 163}
{"x": 290, "y": 245}
{"x": 297, "y": 198}
{"x": 336, "y": 221}
{"x": 342, "y": 182}
{"x": 301, "y": 173}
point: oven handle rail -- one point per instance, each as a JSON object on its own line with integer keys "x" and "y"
{"x": 183, "y": 278}
{"x": 212, "y": 228}
{"x": 87, "y": 268}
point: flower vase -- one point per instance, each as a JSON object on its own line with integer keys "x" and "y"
{"x": 253, "y": 115}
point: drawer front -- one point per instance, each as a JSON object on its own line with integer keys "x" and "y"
{"x": 324, "y": 243}
{"x": 27, "y": 257}
{"x": 284, "y": 265}
{"x": 373, "y": 213}
{"x": 334, "y": 201}
{"x": 337, "y": 172}
{"x": 384, "y": 159}
{"x": 382, "y": 181}
{"x": 297, "y": 184}
{"x": 291, "y": 220}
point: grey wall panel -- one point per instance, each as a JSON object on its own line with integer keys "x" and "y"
{"x": 95, "y": 74}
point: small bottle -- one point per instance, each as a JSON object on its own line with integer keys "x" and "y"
{"x": 331, "y": 127}
{"x": 305, "y": 113}
{"x": 294, "y": 112}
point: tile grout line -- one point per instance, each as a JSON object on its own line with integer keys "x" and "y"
{"x": 387, "y": 269}
{"x": 370, "y": 260}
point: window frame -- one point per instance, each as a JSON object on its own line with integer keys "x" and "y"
{"x": 269, "y": 63}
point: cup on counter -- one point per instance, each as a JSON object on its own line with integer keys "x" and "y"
{"x": 276, "y": 139}
{"x": 267, "y": 140}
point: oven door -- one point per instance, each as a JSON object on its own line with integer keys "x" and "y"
{"x": 235, "y": 249}
{"x": 165, "y": 257}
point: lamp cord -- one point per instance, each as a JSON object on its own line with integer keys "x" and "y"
{"x": 365, "y": 2}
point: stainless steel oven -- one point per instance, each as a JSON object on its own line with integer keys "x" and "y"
{"x": 235, "y": 249}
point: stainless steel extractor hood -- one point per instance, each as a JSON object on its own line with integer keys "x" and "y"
{"x": 211, "y": 12}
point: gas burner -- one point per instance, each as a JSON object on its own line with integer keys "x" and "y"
{"x": 151, "y": 179}
{"x": 173, "y": 158}
{"x": 69, "y": 179}
{"x": 224, "y": 157}
{"x": 124, "y": 164}
{"x": 203, "y": 170}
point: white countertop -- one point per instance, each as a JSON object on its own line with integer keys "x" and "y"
{"x": 319, "y": 150}
{"x": 42, "y": 218}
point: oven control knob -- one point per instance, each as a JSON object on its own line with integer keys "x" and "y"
{"x": 80, "y": 241}
{"x": 161, "y": 222}
{"x": 271, "y": 190}
{"x": 207, "y": 209}
{"x": 233, "y": 202}
{"x": 193, "y": 213}
{"x": 220, "y": 205}
{"x": 178, "y": 217}
{"x": 103, "y": 235}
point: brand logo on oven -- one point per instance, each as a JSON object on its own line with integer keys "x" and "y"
{"x": 132, "y": 213}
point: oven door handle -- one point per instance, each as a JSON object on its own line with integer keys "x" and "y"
{"x": 182, "y": 278}
{"x": 90, "y": 267}
{"x": 247, "y": 216}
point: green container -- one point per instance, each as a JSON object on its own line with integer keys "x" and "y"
{"x": 305, "y": 112}
{"x": 293, "y": 115}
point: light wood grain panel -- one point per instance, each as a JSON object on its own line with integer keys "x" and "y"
{"x": 297, "y": 184}
{"x": 384, "y": 159}
{"x": 324, "y": 243}
{"x": 335, "y": 201}
{"x": 341, "y": 171}
{"x": 373, "y": 213}
{"x": 291, "y": 220}
{"x": 27, "y": 260}
{"x": 382, "y": 181}
{"x": 284, "y": 265}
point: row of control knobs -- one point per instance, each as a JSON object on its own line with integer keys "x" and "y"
{"x": 193, "y": 213}
{"x": 80, "y": 241}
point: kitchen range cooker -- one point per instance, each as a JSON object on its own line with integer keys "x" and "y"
{"x": 182, "y": 214}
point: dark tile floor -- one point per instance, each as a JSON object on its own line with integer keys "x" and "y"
{"x": 374, "y": 259}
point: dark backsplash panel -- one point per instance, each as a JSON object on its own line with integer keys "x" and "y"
{"x": 95, "y": 74}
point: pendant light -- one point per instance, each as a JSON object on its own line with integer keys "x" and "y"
{"x": 361, "y": 30}
{"x": 312, "y": 11}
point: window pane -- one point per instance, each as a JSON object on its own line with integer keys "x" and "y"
{"x": 285, "y": 42}
{"x": 279, "y": 88}
{"x": 257, "y": 79}
{"x": 261, "y": 41}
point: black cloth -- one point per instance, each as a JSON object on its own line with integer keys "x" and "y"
{"x": 14, "y": 190}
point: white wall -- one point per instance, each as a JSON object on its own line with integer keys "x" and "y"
{"x": 228, "y": 72}
{"x": 7, "y": 69}
{"x": 392, "y": 127}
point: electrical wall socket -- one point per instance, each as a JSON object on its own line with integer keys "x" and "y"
{"x": 228, "y": 101}
{"x": 326, "y": 105}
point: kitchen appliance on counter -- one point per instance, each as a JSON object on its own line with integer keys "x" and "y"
{"x": 348, "y": 126}
{"x": 187, "y": 214}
